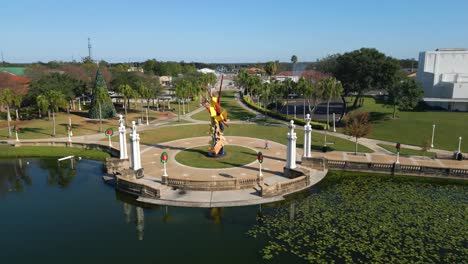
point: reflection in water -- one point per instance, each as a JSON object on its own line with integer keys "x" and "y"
{"x": 216, "y": 214}
{"x": 139, "y": 221}
{"x": 127, "y": 208}
{"x": 13, "y": 176}
{"x": 61, "y": 175}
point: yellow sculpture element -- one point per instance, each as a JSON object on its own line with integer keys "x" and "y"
{"x": 218, "y": 121}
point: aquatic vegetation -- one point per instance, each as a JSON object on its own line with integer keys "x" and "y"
{"x": 362, "y": 218}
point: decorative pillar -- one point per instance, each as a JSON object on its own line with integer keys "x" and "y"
{"x": 135, "y": 146}
{"x": 291, "y": 155}
{"x": 122, "y": 138}
{"x": 307, "y": 137}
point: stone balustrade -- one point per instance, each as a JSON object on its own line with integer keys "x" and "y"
{"x": 288, "y": 186}
{"x": 134, "y": 188}
{"x": 214, "y": 185}
{"x": 387, "y": 168}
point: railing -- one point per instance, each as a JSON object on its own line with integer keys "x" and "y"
{"x": 136, "y": 188}
{"x": 286, "y": 186}
{"x": 208, "y": 185}
{"x": 389, "y": 168}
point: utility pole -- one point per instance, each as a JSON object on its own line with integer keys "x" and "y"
{"x": 89, "y": 49}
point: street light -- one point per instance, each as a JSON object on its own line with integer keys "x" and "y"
{"x": 433, "y": 131}
{"x": 459, "y": 144}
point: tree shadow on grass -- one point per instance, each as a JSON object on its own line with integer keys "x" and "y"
{"x": 81, "y": 114}
{"x": 378, "y": 117}
{"x": 34, "y": 130}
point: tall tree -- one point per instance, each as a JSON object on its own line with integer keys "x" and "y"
{"x": 56, "y": 100}
{"x": 128, "y": 94}
{"x": 305, "y": 88}
{"x": 270, "y": 68}
{"x": 7, "y": 99}
{"x": 404, "y": 95}
{"x": 293, "y": 61}
{"x": 357, "y": 125}
{"x": 288, "y": 86}
{"x": 365, "y": 69}
{"x": 107, "y": 107}
{"x": 331, "y": 88}
{"x": 100, "y": 95}
{"x": 146, "y": 93}
{"x": 42, "y": 104}
{"x": 17, "y": 100}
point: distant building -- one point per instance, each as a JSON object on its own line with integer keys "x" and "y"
{"x": 312, "y": 75}
{"x": 254, "y": 70}
{"x": 206, "y": 70}
{"x": 135, "y": 69}
{"x": 165, "y": 80}
{"x": 444, "y": 77}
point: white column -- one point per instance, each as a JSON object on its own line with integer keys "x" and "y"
{"x": 291, "y": 155}
{"x": 135, "y": 147}
{"x": 459, "y": 144}
{"x": 433, "y": 132}
{"x": 334, "y": 127}
{"x": 307, "y": 137}
{"x": 122, "y": 139}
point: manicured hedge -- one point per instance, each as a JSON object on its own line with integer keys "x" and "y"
{"x": 299, "y": 121}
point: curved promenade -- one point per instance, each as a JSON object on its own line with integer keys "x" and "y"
{"x": 238, "y": 186}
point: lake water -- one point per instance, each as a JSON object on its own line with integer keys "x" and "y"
{"x": 64, "y": 215}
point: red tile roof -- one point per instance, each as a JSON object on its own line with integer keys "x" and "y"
{"x": 18, "y": 84}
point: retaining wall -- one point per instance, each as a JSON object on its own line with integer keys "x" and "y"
{"x": 387, "y": 168}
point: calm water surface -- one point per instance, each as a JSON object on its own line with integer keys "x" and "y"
{"x": 66, "y": 215}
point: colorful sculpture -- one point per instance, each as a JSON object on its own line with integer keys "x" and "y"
{"x": 218, "y": 121}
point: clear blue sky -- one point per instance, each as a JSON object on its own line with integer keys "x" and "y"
{"x": 226, "y": 31}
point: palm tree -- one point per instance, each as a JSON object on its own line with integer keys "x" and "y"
{"x": 304, "y": 87}
{"x": 267, "y": 87}
{"x": 100, "y": 97}
{"x": 56, "y": 100}
{"x": 271, "y": 68}
{"x": 42, "y": 104}
{"x": 7, "y": 98}
{"x": 182, "y": 87}
{"x": 17, "y": 100}
{"x": 147, "y": 94}
{"x": 287, "y": 87}
{"x": 128, "y": 93}
{"x": 331, "y": 89}
{"x": 293, "y": 61}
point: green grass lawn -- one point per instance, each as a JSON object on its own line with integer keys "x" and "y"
{"x": 51, "y": 152}
{"x": 413, "y": 128}
{"x": 411, "y": 152}
{"x": 272, "y": 133}
{"x": 234, "y": 110}
{"x": 42, "y": 128}
{"x": 236, "y": 156}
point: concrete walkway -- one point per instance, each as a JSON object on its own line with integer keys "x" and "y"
{"x": 367, "y": 142}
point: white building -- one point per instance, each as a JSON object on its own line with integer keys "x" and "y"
{"x": 444, "y": 77}
{"x": 206, "y": 70}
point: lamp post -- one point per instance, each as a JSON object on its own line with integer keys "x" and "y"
{"x": 398, "y": 153}
{"x": 433, "y": 132}
{"x": 334, "y": 128}
{"x": 459, "y": 144}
